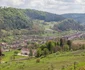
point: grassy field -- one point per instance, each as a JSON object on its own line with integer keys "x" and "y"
{"x": 8, "y": 55}
{"x": 52, "y": 62}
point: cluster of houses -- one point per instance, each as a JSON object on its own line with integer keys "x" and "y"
{"x": 21, "y": 44}
{"x": 25, "y": 51}
{"x": 4, "y": 47}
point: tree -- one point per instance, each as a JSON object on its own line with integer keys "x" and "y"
{"x": 69, "y": 43}
{"x": 61, "y": 42}
{"x": 45, "y": 52}
{"x": 31, "y": 53}
{"x": 0, "y": 52}
{"x": 50, "y": 46}
{"x": 58, "y": 44}
{"x": 43, "y": 46}
{"x": 39, "y": 52}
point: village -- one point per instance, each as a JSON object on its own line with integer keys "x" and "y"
{"x": 25, "y": 44}
{"x": 31, "y": 42}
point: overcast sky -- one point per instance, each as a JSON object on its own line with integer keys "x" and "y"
{"x": 53, "y": 6}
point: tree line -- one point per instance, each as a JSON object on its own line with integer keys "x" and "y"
{"x": 52, "y": 47}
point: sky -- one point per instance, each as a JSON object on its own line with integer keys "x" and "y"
{"x": 53, "y": 6}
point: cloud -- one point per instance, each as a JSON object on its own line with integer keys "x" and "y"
{"x": 11, "y": 2}
{"x": 80, "y": 1}
{"x": 53, "y": 6}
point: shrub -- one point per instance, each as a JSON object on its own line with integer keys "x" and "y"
{"x": 15, "y": 53}
{"x": 38, "y": 60}
{"x": 57, "y": 53}
{"x": 66, "y": 48}
{"x": 57, "y": 48}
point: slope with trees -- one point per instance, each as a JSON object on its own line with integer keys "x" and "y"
{"x": 68, "y": 24}
{"x": 80, "y": 17}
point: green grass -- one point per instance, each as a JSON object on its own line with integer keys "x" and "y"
{"x": 56, "y": 61}
{"x": 8, "y": 55}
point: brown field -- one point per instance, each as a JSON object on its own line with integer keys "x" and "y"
{"x": 79, "y": 42}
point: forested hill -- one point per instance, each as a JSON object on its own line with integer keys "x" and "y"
{"x": 78, "y": 17}
{"x": 12, "y": 18}
{"x": 34, "y": 14}
{"x": 68, "y": 24}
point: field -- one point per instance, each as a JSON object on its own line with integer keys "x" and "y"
{"x": 79, "y": 41}
{"x": 8, "y": 55}
{"x": 55, "y": 61}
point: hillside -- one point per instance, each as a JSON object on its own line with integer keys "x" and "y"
{"x": 68, "y": 24}
{"x": 12, "y": 18}
{"x": 51, "y": 62}
{"x": 78, "y": 17}
{"x": 40, "y": 15}
{"x": 15, "y": 21}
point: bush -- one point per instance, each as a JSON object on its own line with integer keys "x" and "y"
{"x": 15, "y": 53}
{"x": 57, "y": 53}
{"x": 38, "y": 60}
{"x": 66, "y": 48}
{"x": 57, "y": 48}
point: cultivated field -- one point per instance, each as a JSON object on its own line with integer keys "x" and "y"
{"x": 79, "y": 41}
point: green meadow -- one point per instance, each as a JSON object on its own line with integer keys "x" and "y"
{"x": 73, "y": 60}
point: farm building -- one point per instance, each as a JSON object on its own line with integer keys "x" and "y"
{"x": 26, "y": 51}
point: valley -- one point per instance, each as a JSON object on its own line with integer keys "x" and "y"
{"x": 38, "y": 40}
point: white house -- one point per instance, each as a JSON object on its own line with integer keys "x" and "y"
{"x": 25, "y": 51}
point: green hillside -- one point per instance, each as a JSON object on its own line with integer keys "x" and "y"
{"x": 57, "y": 61}
{"x": 80, "y": 17}
{"x": 12, "y": 18}
{"x": 68, "y": 24}
{"x": 40, "y": 15}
